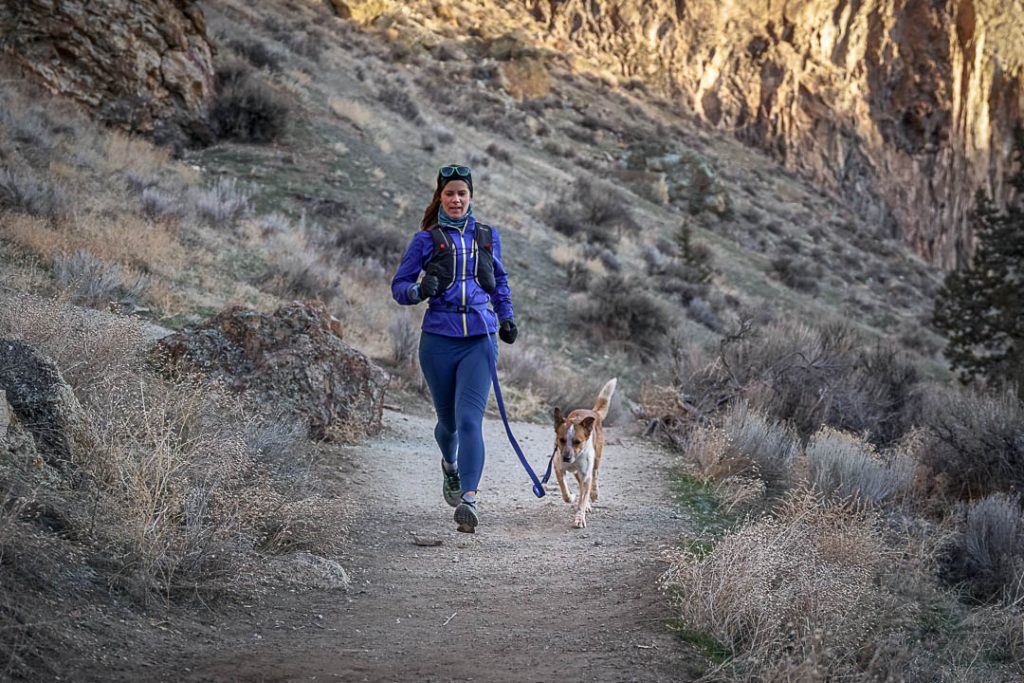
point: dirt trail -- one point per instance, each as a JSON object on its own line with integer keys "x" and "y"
{"x": 526, "y": 598}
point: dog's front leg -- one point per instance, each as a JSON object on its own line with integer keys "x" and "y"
{"x": 583, "y": 504}
{"x": 560, "y": 476}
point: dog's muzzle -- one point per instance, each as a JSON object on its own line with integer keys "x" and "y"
{"x": 567, "y": 457}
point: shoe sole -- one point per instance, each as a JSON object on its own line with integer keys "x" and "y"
{"x": 466, "y": 518}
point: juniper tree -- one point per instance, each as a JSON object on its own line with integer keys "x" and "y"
{"x": 981, "y": 307}
{"x": 695, "y": 256}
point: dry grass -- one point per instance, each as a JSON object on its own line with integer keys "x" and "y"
{"x": 123, "y": 239}
{"x": 180, "y": 488}
{"x": 186, "y": 502}
{"x": 785, "y": 589}
{"x": 128, "y": 154}
{"x": 94, "y": 351}
{"x": 351, "y": 110}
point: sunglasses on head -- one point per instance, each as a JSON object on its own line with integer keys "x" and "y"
{"x": 453, "y": 169}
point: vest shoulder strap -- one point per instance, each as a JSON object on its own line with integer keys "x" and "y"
{"x": 484, "y": 237}
{"x": 441, "y": 239}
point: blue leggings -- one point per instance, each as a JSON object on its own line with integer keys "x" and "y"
{"x": 457, "y": 370}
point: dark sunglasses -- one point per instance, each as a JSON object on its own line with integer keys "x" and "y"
{"x": 452, "y": 169}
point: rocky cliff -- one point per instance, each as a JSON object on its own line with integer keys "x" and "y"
{"x": 906, "y": 107}
{"x": 139, "y": 63}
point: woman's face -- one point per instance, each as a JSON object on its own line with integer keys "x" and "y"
{"x": 455, "y": 198}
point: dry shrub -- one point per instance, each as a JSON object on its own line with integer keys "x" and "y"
{"x": 397, "y": 99}
{"x": 92, "y": 282}
{"x": 845, "y": 467}
{"x": 21, "y": 190}
{"x": 298, "y": 267}
{"x": 769, "y": 446}
{"x": 245, "y": 108}
{"x": 781, "y": 589}
{"x": 798, "y": 273}
{"x": 223, "y": 203}
{"x": 95, "y": 352}
{"x": 185, "y": 502}
{"x": 360, "y": 238}
{"x": 352, "y": 110}
{"x": 157, "y": 203}
{"x": 258, "y": 54}
{"x": 404, "y": 334}
{"x": 809, "y": 377}
{"x": 988, "y": 557}
{"x": 974, "y": 442}
{"x": 623, "y": 313}
{"x": 596, "y": 210}
{"x": 181, "y": 489}
{"x": 137, "y": 156}
{"x": 746, "y": 447}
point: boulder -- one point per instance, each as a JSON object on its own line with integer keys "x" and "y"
{"x": 16, "y": 444}
{"x": 290, "y": 363}
{"x": 40, "y": 401}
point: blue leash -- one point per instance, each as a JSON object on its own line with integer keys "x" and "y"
{"x": 538, "y": 484}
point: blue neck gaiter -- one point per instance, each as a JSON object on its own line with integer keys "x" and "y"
{"x": 446, "y": 221}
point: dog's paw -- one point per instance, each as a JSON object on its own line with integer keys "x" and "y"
{"x": 593, "y": 495}
{"x": 580, "y": 522}
{"x": 568, "y": 499}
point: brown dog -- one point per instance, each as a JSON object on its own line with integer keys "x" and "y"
{"x": 579, "y": 441}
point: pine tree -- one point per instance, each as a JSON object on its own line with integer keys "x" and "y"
{"x": 981, "y": 307}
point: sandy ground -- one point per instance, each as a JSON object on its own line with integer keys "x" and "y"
{"x": 526, "y": 598}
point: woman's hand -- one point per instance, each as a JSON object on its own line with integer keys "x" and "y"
{"x": 508, "y": 331}
{"x": 429, "y": 286}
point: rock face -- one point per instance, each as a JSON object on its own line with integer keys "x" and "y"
{"x": 292, "y": 362}
{"x": 138, "y": 63}
{"x": 904, "y": 106}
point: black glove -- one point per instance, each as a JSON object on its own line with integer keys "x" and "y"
{"x": 508, "y": 331}
{"x": 428, "y": 286}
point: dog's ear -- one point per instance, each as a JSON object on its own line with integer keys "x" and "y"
{"x": 587, "y": 423}
{"x": 558, "y": 417}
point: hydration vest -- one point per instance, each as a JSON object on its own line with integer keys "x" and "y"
{"x": 442, "y": 261}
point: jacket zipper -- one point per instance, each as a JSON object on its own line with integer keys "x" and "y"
{"x": 465, "y": 265}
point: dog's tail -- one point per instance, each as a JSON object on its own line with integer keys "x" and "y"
{"x": 604, "y": 399}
